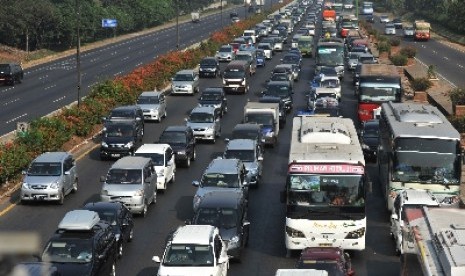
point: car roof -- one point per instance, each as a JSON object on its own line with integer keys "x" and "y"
{"x": 130, "y": 162}
{"x": 213, "y": 90}
{"x": 126, "y": 107}
{"x": 151, "y": 94}
{"x": 193, "y": 234}
{"x": 203, "y": 109}
{"x": 255, "y": 127}
{"x": 270, "y": 99}
{"x": 220, "y": 165}
{"x": 101, "y": 206}
{"x": 178, "y": 128}
{"x": 83, "y": 220}
{"x": 52, "y": 156}
{"x": 221, "y": 199}
{"x": 278, "y": 82}
{"x": 209, "y": 58}
{"x": 241, "y": 144}
{"x": 153, "y": 148}
{"x": 186, "y": 71}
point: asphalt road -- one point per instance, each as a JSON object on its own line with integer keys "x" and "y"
{"x": 266, "y": 251}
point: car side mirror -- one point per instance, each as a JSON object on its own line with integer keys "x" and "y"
{"x": 185, "y": 119}
{"x": 104, "y": 119}
{"x": 24, "y": 172}
{"x": 394, "y": 216}
{"x": 138, "y": 119}
{"x": 260, "y": 158}
{"x": 195, "y": 183}
{"x": 246, "y": 223}
{"x": 102, "y": 178}
{"x": 67, "y": 173}
{"x": 156, "y": 259}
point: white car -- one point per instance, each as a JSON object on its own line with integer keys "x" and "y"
{"x": 195, "y": 250}
{"x": 389, "y": 29}
{"x": 153, "y": 105}
{"x": 162, "y": 156}
{"x": 267, "y": 49}
{"x": 409, "y": 31}
{"x": 384, "y": 19}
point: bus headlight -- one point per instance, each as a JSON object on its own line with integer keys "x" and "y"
{"x": 293, "y": 233}
{"x": 356, "y": 234}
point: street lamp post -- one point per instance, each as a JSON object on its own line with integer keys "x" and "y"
{"x": 177, "y": 25}
{"x": 78, "y": 52}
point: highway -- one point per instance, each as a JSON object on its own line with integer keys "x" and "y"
{"x": 266, "y": 251}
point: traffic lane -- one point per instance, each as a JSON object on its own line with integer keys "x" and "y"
{"x": 96, "y": 65}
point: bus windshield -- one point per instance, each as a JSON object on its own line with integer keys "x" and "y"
{"x": 379, "y": 93}
{"x": 326, "y": 190}
{"x": 330, "y": 55}
{"x": 426, "y": 168}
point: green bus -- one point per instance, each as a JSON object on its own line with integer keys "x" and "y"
{"x": 305, "y": 45}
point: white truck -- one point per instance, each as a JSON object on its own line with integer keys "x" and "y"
{"x": 429, "y": 231}
{"x": 267, "y": 115}
{"x": 195, "y": 17}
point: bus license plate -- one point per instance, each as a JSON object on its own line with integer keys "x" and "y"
{"x": 325, "y": 244}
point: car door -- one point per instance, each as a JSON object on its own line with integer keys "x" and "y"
{"x": 149, "y": 183}
{"x": 217, "y": 117}
{"x": 259, "y": 157}
{"x": 221, "y": 268}
{"x": 126, "y": 223}
{"x": 169, "y": 164}
{"x": 67, "y": 174}
{"x": 162, "y": 104}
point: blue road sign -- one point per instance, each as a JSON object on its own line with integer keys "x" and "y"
{"x": 109, "y": 23}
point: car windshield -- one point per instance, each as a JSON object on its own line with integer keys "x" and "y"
{"x": 244, "y": 155}
{"x": 279, "y": 77}
{"x": 220, "y": 180}
{"x": 122, "y": 114}
{"x": 243, "y": 57}
{"x": 119, "y": 131}
{"x": 278, "y": 90}
{"x": 209, "y": 62}
{"x": 329, "y": 83}
{"x": 291, "y": 59}
{"x": 234, "y": 74}
{"x": 371, "y": 130}
{"x": 147, "y": 100}
{"x": 261, "y": 119}
{"x": 68, "y": 251}
{"x": 188, "y": 255}
{"x": 218, "y": 217}
{"x": 210, "y": 97}
{"x": 44, "y": 169}
{"x": 158, "y": 159}
{"x": 124, "y": 176}
{"x": 109, "y": 216}
{"x": 183, "y": 77}
{"x": 225, "y": 50}
{"x": 173, "y": 137}
{"x": 4, "y": 68}
{"x": 201, "y": 118}
{"x": 245, "y": 134}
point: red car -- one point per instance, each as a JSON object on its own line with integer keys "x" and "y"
{"x": 331, "y": 259}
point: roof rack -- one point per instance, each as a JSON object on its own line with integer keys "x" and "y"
{"x": 79, "y": 220}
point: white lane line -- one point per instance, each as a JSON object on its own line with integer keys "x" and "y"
{"x": 49, "y": 87}
{"x": 10, "y": 102}
{"x": 59, "y": 99}
{"x": 439, "y": 75}
{"x": 16, "y": 118}
{"x": 446, "y": 58}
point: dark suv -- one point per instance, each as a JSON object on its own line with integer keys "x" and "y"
{"x": 182, "y": 141}
{"x": 226, "y": 210}
{"x": 119, "y": 138}
{"x": 119, "y": 217}
{"x": 82, "y": 245}
{"x": 11, "y": 73}
{"x": 215, "y": 97}
{"x": 128, "y": 113}
{"x": 209, "y": 67}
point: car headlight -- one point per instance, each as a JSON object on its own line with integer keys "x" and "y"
{"x": 356, "y": 234}
{"x": 54, "y": 185}
{"x": 26, "y": 185}
{"x": 365, "y": 147}
{"x": 269, "y": 134}
{"x": 117, "y": 236}
{"x": 224, "y": 82}
{"x": 104, "y": 144}
{"x": 243, "y": 82}
{"x": 139, "y": 193}
{"x": 129, "y": 144}
{"x": 294, "y": 233}
{"x": 181, "y": 152}
{"x": 234, "y": 242}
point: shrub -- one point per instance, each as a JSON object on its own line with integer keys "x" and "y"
{"x": 383, "y": 38}
{"x": 394, "y": 41}
{"x": 421, "y": 84}
{"x": 458, "y": 122}
{"x": 409, "y": 51}
{"x": 384, "y": 47}
{"x": 457, "y": 96}
{"x": 399, "y": 60}
{"x": 373, "y": 32}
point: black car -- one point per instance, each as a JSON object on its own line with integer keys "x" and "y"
{"x": 83, "y": 245}
{"x": 397, "y": 23}
{"x": 209, "y": 67}
{"x": 119, "y": 139}
{"x": 292, "y": 58}
{"x": 249, "y": 131}
{"x": 369, "y": 138}
{"x": 11, "y": 73}
{"x": 127, "y": 113}
{"x": 369, "y": 18}
{"x": 182, "y": 141}
{"x": 233, "y": 14}
{"x": 282, "y": 89}
{"x": 215, "y": 97}
{"x": 119, "y": 217}
{"x": 226, "y": 210}
{"x": 282, "y": 108}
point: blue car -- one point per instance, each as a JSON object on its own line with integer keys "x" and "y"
{"x": 260, "y": 54}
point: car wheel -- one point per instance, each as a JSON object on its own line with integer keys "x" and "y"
{"x": 61, "y": 200}
{"x": 75, "y": 185}
{"x": 173, "y": 178}
{"x": 188, "y": 163}
{"x": 143, "y": 213}
{"x": 164, "y": 115}
{"x": 194, "y": 155}
{"x": 154, "y": 199}
{"x": 120, "y": 250}
{"x": 131, "y": 235}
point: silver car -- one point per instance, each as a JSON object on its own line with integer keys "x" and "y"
{"x": 267, "y": 48}
{"x": 250, "y": 153}
{"x": 132, "y": 181}
{"x": 389, "y": 29}
{"x": 50, "y": 177}
{"x": 205, "y": 123}
{"x": 225, "y": 53}
{"x": 185, "y": 82}
{"x": 153, "y": 105}
{"x": 352, "y": 60}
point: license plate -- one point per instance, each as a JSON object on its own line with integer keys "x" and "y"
{"x": 115, "y": 155}
{"x": 39, "y": 197}
{"x": 325, "y": 244}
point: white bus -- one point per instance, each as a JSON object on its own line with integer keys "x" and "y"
{"x": 325, "y": 186}
{"x": 419, "y": 149}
